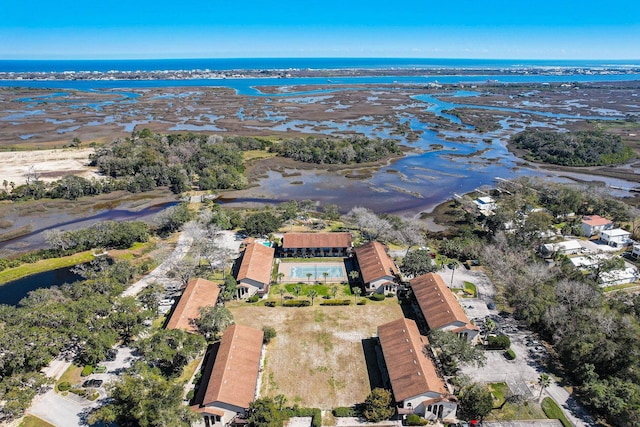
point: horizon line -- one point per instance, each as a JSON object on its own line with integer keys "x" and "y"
{"x": 315, "y": 57}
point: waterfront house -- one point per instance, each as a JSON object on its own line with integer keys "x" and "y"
{"x": 485, "y": 205}
{"x": 440, "y": 308}
{"x": 198, "y": 293}
{"x": 417, "y": 387}
{"x": 594, "y": 224}
{"x": 305, "y": 245}
{"x": 254, "y": 274}
{"x": 377, "y": 269}
{"x": 230, "y": 377}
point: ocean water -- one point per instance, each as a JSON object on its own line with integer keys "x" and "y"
{"x": 222, "y": 64}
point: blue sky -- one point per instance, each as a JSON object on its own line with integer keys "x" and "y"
{"x": 541, "y": 29}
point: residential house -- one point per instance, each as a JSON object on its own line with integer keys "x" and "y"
{"x": 567, "y": 247}
{"x": 618, "y": 277}
{"x": 594, "y": 224}
{"x": 485, "y": 205}
{"x": 198, "y": 293}
{"x": 316, "y": 244}
{"x": 254, "y": 274}
{"x": 377, "y": 269}
{"x": 440, "y": 308}
{"x": 230, "y": 376}
{"x": 635, "y": 252}
{"x": 616, "y": 237}
{"x": 417, "y": 387}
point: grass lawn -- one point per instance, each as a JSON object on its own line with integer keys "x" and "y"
{"x": 621, "y": 287}
{"x": 189, "y": 370}
{"x": 71, "y": 375}
{"x": 553, "y": 411}
{"x": 317, "y": 358}
{"x": 499, "y": 390}
{"x": 31, "y": 421}
{"x": 524, "y": 411}
{"x": 24, "y": 270}
{"x": 470, "y": 290}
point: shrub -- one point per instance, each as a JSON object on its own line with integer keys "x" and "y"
{"x": 362, "y": 302}
{"x": 510, "y": 354}
{"x": 336, "y": 302}
{"x": 501, "y": 341}
{"x": 390, "y": 295}
{"x": 253, "y": 298}
{"x": 190, "y": 394}
{"x": 377, "y": 297}
{"x": 297, "y": 303}
{"x": 344, "y": 411}
{"x": 269, "y": 334}
{"x": 86, "y": 371}
{"x": 416, "y": 420}
{"x": 93, "y": 396}
{"x": 64, "y": 386}
{"x": 270, "y": 304}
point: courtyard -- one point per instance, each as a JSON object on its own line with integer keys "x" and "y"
{"x": 322, "y": 356}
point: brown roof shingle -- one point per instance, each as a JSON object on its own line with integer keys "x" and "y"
{"x": 411, "y": 371}
{"x": 439, "y": 306}
{"x": 198, "y": 293}
{"x": 374, "y": 262}
{"x": 235, "y": 370}
{"x": 316, "y": 240}
{"x": 256, "y": 263}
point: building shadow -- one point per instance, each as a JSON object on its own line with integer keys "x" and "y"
{"x": 372, "y": 354}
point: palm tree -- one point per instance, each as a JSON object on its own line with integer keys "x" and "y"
{"x": 325, "y": 274}
{"x": 354, "y": 275}
{"x": 309, "y": 277}
{"x": 312, "y": 294}
{"x": 280, "y": 276}
{"x": 453, "y": 265}
{"x": 356, "y": 293}
{"x": 281, "y": 292}
{"x": 297, "y": 290}
{"x": 334, "y": 291}
{"x": 280, "y": 400}
{"x": 544, "y": 381}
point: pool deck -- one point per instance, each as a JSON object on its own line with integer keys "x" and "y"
{"x": 297, "y": 271}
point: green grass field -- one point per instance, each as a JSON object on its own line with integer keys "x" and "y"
{"x": 24, "y": 270}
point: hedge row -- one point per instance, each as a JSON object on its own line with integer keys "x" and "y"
{"x": 378, "y": 297}
{"x": 344, "y": 411}
{"x": 297, "y": 303}
{"x": 336, "y": 302}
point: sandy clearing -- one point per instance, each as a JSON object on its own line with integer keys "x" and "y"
{"x": 317, "y": 358}
{"x": 49, "y": 165}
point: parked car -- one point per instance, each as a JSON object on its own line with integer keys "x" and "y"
{"x": 92, "y": 383}
{"x": 491, "y": 305}
{"x": 111, "y": 354}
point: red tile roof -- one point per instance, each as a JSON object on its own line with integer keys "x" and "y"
{"x": 316, "y": 240}
{"x": 374, "y": 262}
{"x": 198, "y": 293}
{"x": 411, "y": 371}
{"x": 235, "y": 370}
{"x": 596, "y": 220}
{"x": 256, "y": 264}
{"x": 439, "y": 306}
